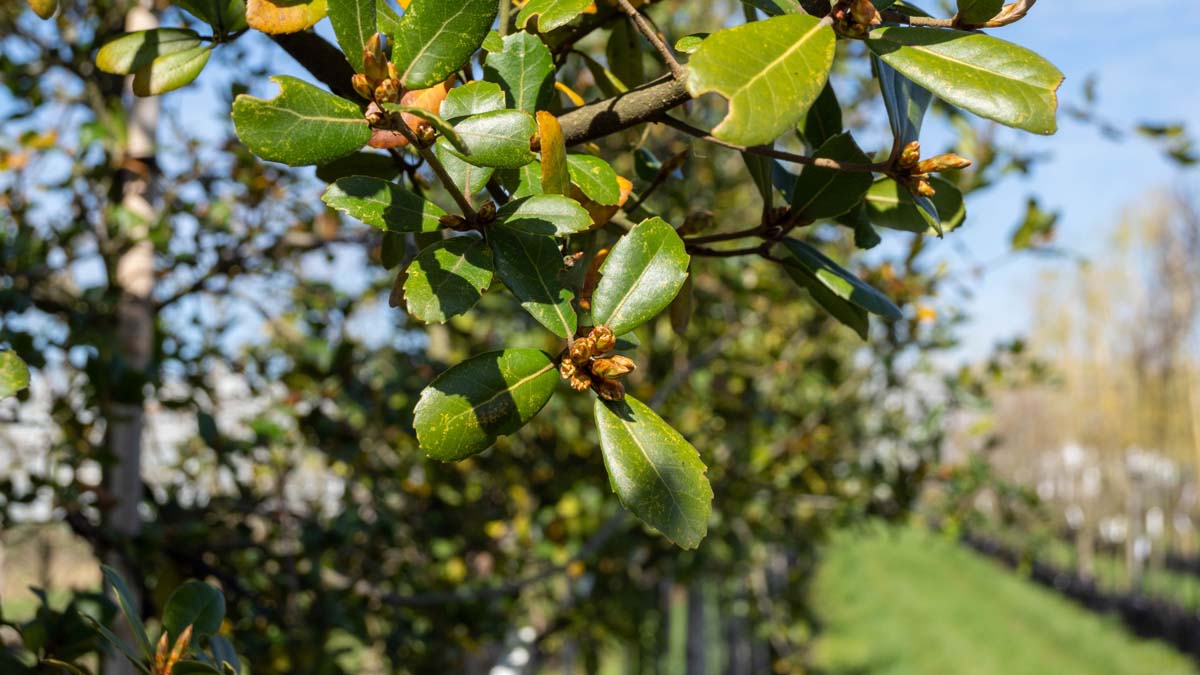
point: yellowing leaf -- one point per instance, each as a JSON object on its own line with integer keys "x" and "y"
{"x": 283, "y": 16}
{"x": 555, "y": 177}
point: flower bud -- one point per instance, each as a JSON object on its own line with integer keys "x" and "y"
{"x": 604, "y": 339}
{"x": 452, "y": 221}
{"x": 375, "y": 115}
{"x": 610, "y": 390}
{"x": 388, "y": 91}
{"x": 613, "y": 367}
{"x": 580, "y": 381}
{"x": 864, "y": 13}
{"x": 566, "y": 368}
{"x": 361, "y": 85}
{"x": 582, "y": 350}
{"x": 946, "y": 162}
{"x": 426, "y": 134}
{"x": 910, "y": 155}
{"x": 487, "y": 212}
{"x": 375, "y": 63}
{"x": 924, "y": 189}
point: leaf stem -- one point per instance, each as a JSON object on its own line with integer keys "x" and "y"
{"x": 706, "y": 252}
{"x": 655, "y": 39}
{"x": 436, "y": 164}
{"x": 822, "y": 162}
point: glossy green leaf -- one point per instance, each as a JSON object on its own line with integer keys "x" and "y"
{"x": 225, "y": 16}
{"x": 466, "y": 408}
{"x": 353, "y": 23}
{"x": 824, "y": 118}
{"x": 771, "y": 72}
{"x": 469, "y": 178}
{"x": 820, "y": 192}
{"x": 194, "y": 604}
{"x": 905, "y": 101}
{"x": 443, "y": 128}
{"x": 654, "y": 471}
{"x": 525, "y": 69}
{"x": 471, "y": 99}
{"x": 522, "y": 182}
{"x": 387, "y": 18}
{"x": 552, "y": 215}
{"x": 133, "y": 51}
{"x": 978, "y": 11}
{"x": 892, "y": 206}
{"x": 529, "y": 265}
{"x": 14, "y": 374}
{"x": 760, "y": 172}
{"x": 550, "y": 14}
{"x": 129, "y": 608}
{"x": 383, "y": 204}
{"x": 595, "y": 178}
{"x": 447, "y": 278}
{"x": 498, "y": 139}
{"x": 359, "y": 164}
{"x": 849, "y": 314}
{"x": 843, "y": 283}
{"x": 436, "y": 37}
{"x": 302, "y": 125}
{"x": 641, "y": 275}
{"x": 170, "y": 72}
{"x": 979, "y": 73}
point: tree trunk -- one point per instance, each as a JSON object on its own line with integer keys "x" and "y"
{"x": 697, "y": 643}
{"x": 135, "y": 337}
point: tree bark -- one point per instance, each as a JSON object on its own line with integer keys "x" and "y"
{"x": 135, "y": 340}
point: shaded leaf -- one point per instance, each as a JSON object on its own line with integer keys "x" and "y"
{"x": 892, "y": 206}
{"x": 529, "y": 265}
{"x": 447, "y": 278}
{"x": 353, "y": 23}
{"x": 905, "y": 101}
{"x": 302, "y": 125}
{"x": 849, "y": 314}
{"x": 654, "y": 471}
{"x": 382, "y": 204}
{"x": 170, "y": 72}
{"x": 552, "y": 215}
{"x": 194, "y": 604}
{"x": 466, "y": 408}
{"x": 824, "y": 118}
{"x": 130, "y": 609}
{"x": 642, "y": 274}
{"x": 130, "y": 52}
{"x": 978, "y": 11}
{"x": 843, "y": 283}
{"x": 771, "y": 71}
{"x": 469, "y": 178}
{"x": 359, "y": 164}
{"x": 821, "y": 193}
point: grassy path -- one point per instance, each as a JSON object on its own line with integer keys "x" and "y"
{"x": 905, "y": 602}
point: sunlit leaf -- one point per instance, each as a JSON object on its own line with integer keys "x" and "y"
{"x": 302, "y": 125}
{"x": 642, "y": 274}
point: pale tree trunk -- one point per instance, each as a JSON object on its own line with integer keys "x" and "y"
{"x": 135, "y": 332}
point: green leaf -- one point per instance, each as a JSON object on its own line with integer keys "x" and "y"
{"x": 905, "y": 101}
{"x": 354, "y": 23}
{"x": 130, "y": 609}
{"x": 224, "y": 652}
{"x": 771, "y": 71}
{"x": 1036, "y": 228}
{"x": 529, "y": 265}
{"x": 436, "y": 37}
{"x": 129, "y": 652}
{"x": 497, "y": 139}
{"x": 595, "y": 178}
{"x": 688, "y": 44}
{"x": 14, "y": 374}
{"x": 471, "y": 99}
{"x": 624, "y": 55}
{"x": 525, "y": 69}
{"x": 641, "y": 275}
{"x": 465, "y": 409}
{"x": 382, "y": 204}
{"x": 552, "y": 215}
{"x": 851, "y": 315}
{"x": 194, "y": 604}
{"x": 824, "y": 118}
{"x": 550, "y": 14}
{"x": 978, "y": 11}
{"x": 447, "y": 278}
{"x": 191, "y": 667}
{"x": 985, "y": 75}
{"x": 131, "y": 52}
{"x": 442, "y": 126}
{"x": 225, "y": 16}
{"x": 760, "y": 172}
{"x": 468, "y": 177}
{"x": 359, "y": 164}
{"x": 302, "y": 125}
{"x": 387, "y": 18}
{"x": 654, "y": 471}
{"x": 892, "y": 206}
{"x": 777, "y": 7}
{"x": 824, "y": 193}
{"x": 522, "y": 182}
{"x": 843, "y": 283}
{"x": 170, "y": 72}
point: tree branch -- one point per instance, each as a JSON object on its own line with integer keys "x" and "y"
{"x": 631, "y": 108}
{"x": 822, "y": 162}
{"x": 652, "y": 35}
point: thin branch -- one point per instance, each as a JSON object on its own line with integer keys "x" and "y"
{"x": 655, "y": 39}
{"x": 822, "y": 162}
{"x": 927, "y": 21}
{"x": 436, "y": 164}
{"x": 705, "y": 252}
{"x": 726, "y": 236}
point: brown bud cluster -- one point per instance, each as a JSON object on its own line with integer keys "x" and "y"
{"x": 379, "y": 81}
{"x": 587, "y": 364}
{"x": 855, "y": 18}
{"x": 914, "y": 171}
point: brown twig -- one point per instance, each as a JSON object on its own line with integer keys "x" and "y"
{"x": 822, "y": 162}
{"x": 655, "y": 39}
{"x": 602, "y": 118}
{"x": 436, "y": 164}
{"x": 705, "y": 252}
{"x": 726, "y": 236}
